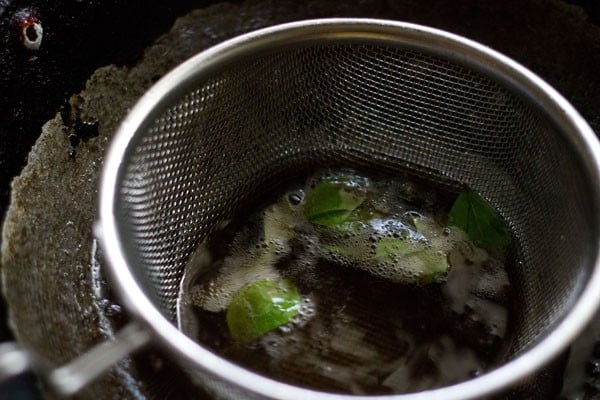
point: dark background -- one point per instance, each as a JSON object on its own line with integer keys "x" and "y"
{"x": 79, "y": 36}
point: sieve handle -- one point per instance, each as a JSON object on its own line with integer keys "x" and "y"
{"x": 72, "y": 377}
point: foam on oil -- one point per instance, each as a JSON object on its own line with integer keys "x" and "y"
{"x": 363, "y": 327}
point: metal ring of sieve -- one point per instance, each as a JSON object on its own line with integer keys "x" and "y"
{"x": 132, "y": 191}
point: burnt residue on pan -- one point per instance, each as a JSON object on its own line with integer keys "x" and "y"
{"x": 76, "y": 128}
{"x": 47, "y": 52}
{"x": 49, "y": 49}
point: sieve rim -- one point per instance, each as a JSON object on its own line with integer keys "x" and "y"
{"x": 555, "y": 107}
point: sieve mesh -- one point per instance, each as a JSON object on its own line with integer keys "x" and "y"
{"x": 240, "y": 130}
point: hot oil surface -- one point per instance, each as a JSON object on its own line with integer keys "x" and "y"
{"x": 358, "y": 332}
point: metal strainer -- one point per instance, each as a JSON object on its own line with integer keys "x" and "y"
{"x": 234, "y": 121}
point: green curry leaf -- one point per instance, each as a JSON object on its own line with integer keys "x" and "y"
{"x": 331, "y": 202}
{"x": 484, "y": 226}
{"x": 261, "y": 307}
{"x": 389, "y": 249}
{"x": 434, "y": 264}
{"x": 430, "y": 265}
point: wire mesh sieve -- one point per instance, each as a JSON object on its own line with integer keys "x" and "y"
{"x": 235, "y": 122}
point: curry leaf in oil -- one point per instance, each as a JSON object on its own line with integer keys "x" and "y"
{"x": 482, "y": 223}
{"x": 261, "y": 307}
{"x": 389, "y": 249}
{"x": 428, "y": 264}
{"x": 331, "y": 202}
{"x": 433, "y": 264}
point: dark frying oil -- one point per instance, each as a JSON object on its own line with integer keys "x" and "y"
{"x": 362, "y": 334}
